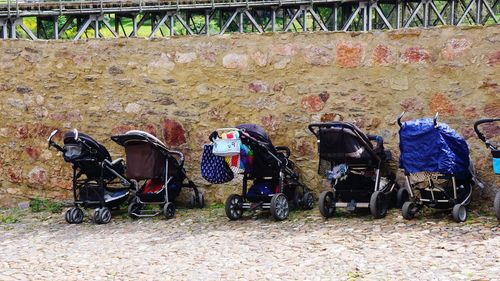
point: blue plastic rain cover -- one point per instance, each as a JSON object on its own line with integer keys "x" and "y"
{"x": 428, "y": 149}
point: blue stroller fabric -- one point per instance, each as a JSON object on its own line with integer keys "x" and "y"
{"x": 428, "y": 149}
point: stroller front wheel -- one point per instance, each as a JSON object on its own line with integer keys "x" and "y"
{"x": 279, "y": 206}
{"x": 74, "y": 215}
{"x": 409, "y": 210}
{"x": 401, "y": 197}
{"x": 459, "y": 213}
{"x": 497, "y": 205}
{"x": 327, "y": 202}
{"x": 378, "y": 204}
{"x": 234, "y": 207}
{"x": 169, "y": 210}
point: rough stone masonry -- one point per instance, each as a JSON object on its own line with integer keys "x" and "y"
{"x": 182, "y": 88}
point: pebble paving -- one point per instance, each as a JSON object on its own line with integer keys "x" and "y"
{"x": 204, "y": 245}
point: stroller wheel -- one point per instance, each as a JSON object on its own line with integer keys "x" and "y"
{"x": 279, "y": 206}
{"x": 327, "y": 202}
{"x": 197, "y": 202}
{"x": 169, "y": 210}
{"x": 409, "y": 210}
{"x": 378, "y": 204}
{"x": 74, "y": 215}
{"x": 401, "y": 197}
{"x": 307, "y": 201}
{"x": 234, "y": 207}
{"x": 459, "y": 213}
{"x": 78, "y": 216}
{"x": 96, "y": 216}
{"x": 104, "y": 215}
{"x": 67, "y": 216}
{"x": 133, "y": 209}
{"x": 497, "y": 205}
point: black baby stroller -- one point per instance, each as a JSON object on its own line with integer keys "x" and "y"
{"x": 436, "y": 163}
{"x": 495, "y": 153}
{"x": 359, "y": 171}
{"x": 274, "y": 176}
{"x": 160, "y": 172}
{"x": 98, "y": 182}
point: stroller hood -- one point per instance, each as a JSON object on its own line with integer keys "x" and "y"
{"x": 69, "y": 139}
{"x": 255, "y": 131}
{"x": 425, "y": 148}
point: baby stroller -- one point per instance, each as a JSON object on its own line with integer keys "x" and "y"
{"x": 98, "y": 182}
{"x": 359, "y": 171}
{"x": 436, "y": 163}
{"x": 495, "y": 153}
{"x": 160, "y": 172}
{"x": 274, "y": 176}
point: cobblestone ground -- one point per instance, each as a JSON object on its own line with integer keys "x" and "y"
{"x": 204, "y": 245}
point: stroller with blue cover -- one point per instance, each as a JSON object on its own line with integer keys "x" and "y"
{"x": 160, "y": 174}
{"x": 495, "y": 153}
{"x": 437, "y": 167}
{"x": 357, "y": 165}
{"x": 98, "y": 181}
{"x": 274, "y": 176}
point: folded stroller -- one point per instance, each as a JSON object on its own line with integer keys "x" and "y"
{"x": 436, "y": 163}
{"x": 160, "y": 172}
{"x": 98, "y": 182}
{"x": 495, "y": 153}
{"x": 274, "y": 177}
{"x": 358, "y": 170}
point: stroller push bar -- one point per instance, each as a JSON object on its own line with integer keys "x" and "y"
{"x": 480, "y": 135}
{"x": 435, "y": 119}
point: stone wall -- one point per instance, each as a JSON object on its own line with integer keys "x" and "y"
{"x": 180, "y": 89}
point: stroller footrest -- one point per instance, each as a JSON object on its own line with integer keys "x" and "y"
{"x": 351, "y": 206}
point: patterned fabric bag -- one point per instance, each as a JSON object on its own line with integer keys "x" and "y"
{"x": 214, "y": 169}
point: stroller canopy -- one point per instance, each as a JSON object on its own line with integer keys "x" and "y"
{"x": 256, "y": 132}
{"x": 425, "y": 148}
{"x": 69, "y": 138}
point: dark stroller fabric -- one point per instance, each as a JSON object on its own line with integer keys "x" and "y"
{"x": 425, "y": 148}
{"x": 144, "y": 161}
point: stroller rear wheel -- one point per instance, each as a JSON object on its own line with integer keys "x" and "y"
{"x": 497, "y": 205}
{"x": 104, "y": 215}
{"x": 234, "y": 207}
{"x": 409, "y": 210}
{"x": 459, "y": 213}
{"x": 401, "y": 197}
{"x": 169, "y": 210}
{"x": 327, "y": 202}
{"x": 133, "y": 209}
{"x": 308, "y": 201}
{"x": 74, "y": 215}
{"x": 197, "y": 202}
{"x": 378, "y": 204}
{"x": 279, "y": 206}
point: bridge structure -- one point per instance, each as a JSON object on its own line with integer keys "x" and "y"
{"x": 70, "y": 19}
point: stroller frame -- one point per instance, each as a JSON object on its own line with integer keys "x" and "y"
{"x": 378, "y": 202}
{"x": 167, "y": 207}
{"x": 236, "y": 204}
{"x": 102, "y": 214}
{"x": 495, "y": 153}
{"x": 415, "y": 203}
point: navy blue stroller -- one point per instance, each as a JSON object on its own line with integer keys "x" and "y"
{"x": 275, "y": 177}
{"x": 437, "y": 165}
{"x": 495, "y": 153}
{"x": 98, "y": 181}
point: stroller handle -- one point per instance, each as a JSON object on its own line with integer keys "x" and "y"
{"x": 315, "y": 127}
{"x": 53, "y": 143}
{"x": 435, "y": 119}
{"x": 479, "y": 134}
{"x": 284, "y": 148}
